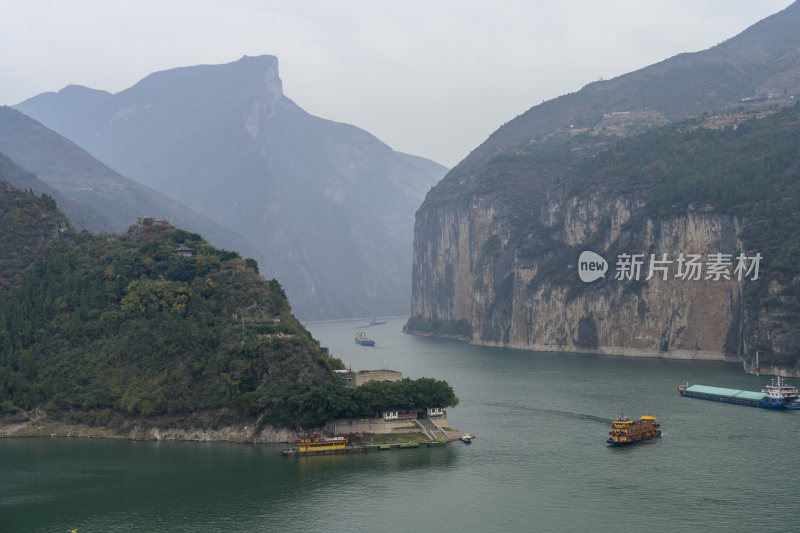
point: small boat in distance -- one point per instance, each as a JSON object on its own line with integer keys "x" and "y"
{"x": 363, "y": 340}
{"x": 626, "y": 431}
{"x": 774, "y": 396}
{"x": 375, "y": 322}
{"x": 466, "y": 438}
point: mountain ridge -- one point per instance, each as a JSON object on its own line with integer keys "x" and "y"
{"x": 235, "y": 148}
{"x": 497, "y": 241}
{"x": 94, "y": 196}
{"x": 154, "y": 333}
{"x": 764, "y": 39}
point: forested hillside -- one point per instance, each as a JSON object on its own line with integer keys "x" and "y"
{"x": 329, "y": 207}
{"x": 125, "y": 322}
{"x": 157, "y": 321}
{"x": 18, "y": 209}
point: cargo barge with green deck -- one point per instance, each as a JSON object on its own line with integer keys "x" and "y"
{"x": 774, "y": 396}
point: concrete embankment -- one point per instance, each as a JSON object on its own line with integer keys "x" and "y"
{"x": 191, "y": 428}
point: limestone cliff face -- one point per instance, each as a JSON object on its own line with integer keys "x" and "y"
{"x": 465, "y": 268}
{"x": 497, "y": 241}
{"x": 265, "y": 97}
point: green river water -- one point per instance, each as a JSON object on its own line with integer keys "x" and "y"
{"x": 539, "y": 461}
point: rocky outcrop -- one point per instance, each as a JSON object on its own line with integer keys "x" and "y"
{"x": 469, "y": 265}
{"x": 194, "y": 427}
{"x": 465, "y": 269}
{"x": 498, "y": 240}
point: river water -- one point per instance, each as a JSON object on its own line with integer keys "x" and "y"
{"x": 539, "y": 461}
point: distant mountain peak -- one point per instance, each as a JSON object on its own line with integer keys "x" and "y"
{"x": 330, "y": 205}
{"x": 263, "y": 107}
{"x": 264, "y": 70}
{"x": 197, "y": 89}
{"x": 80, "y": 91}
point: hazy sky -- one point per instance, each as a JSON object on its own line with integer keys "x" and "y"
{"x": 431, "y": 78}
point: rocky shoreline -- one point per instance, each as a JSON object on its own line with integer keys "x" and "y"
{"x": 38, "y": 423}
{"x": 190, "y": 427}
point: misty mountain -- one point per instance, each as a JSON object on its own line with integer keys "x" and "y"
{"x": 328, "y": 204}
{"x": 696, "y": 154}
{"x": 760, "y": 63}
{"x": 92, "y": 195}
{"x": 28, "y": 181}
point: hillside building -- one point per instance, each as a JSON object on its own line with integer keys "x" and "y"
{"x": 353, "y": 378}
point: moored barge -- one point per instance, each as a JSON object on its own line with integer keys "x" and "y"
{"x": 627, "y": 431}
{"x": 315, "y": 444}
{"x": 776, "y": 395}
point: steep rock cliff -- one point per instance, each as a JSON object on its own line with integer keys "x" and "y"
{"x": 464, "y": 269}
{"x": 689, "y": 156}
{"x": 699, "y": 210}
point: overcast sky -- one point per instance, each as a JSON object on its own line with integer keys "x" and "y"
{"x": 431, "y": 78}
